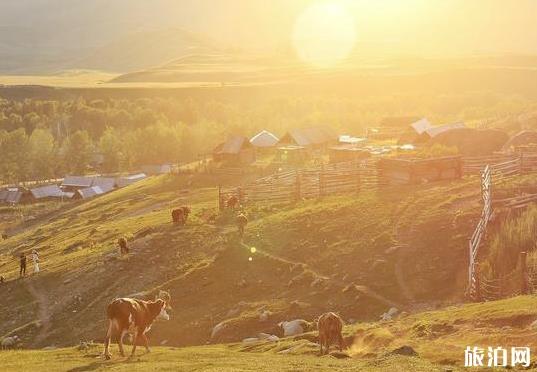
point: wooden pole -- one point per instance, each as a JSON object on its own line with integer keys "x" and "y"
{"x": 321, "y": 181}
{"x": 524, "y": 287}
{"x": 220, "y": 201}
{"x": 477, "y": 289}
{"x": 298, "y": 196}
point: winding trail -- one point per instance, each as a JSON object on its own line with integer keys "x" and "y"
{"x": 43, "y": 310}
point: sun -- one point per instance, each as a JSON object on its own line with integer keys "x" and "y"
{"x": 324, "y": 34}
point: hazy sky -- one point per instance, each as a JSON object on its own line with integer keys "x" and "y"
{"x": 410, "y": 26}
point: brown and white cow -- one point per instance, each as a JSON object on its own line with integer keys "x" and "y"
{"x": 128, "y": 314}
{"x": 330, "y": 326}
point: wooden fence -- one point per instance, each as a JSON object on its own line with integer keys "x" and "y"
{"x": 480, "y": 230}
{"x": 502, "y": 165}
{"x": 307, "y": 183}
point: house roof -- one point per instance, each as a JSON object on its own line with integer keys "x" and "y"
{"x": 90, "y": 192}
{"x": 232, "y": 146}
{"x": 157, "y": 169}
{"x": 350, "y": 139}
{"x": 78, "y": 181}
{"x": 128, "y": 180}
{"x": 264, "y": 139}
{"x": 421, "y": 125}
{"x": 105, "y": 183}
{"x": 435, "y": 131}
{"x": 49, "y": 191}
{"x": 13, "y": 196}
{"x": 311, "y": 136}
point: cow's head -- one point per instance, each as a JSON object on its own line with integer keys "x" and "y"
{"x": 161, "y": 310}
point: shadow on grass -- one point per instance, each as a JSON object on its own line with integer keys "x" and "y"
{"x": 104, "y": 364}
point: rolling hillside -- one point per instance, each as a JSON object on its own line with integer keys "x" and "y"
{"x": 358, "y": 255}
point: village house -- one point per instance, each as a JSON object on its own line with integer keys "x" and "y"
{"x": 74, "y": 183}
{"x": 154, "y": 170}
{"x": 311, "y": 138}
{"x": 124, "y": 181}
{"x": 235, "y": 151}
{"x": 415, "y": 171}
{"x": 50, "y": 192}
{"x": 264, "y": 139}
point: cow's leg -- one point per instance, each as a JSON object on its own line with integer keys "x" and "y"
{"x": 321, "y": 340}
{"x": 123, "y": 331}
{"x": 135, "y": 340}
{"x": 111, "y": 326}
{"x": 340, "y": 339}
{"x": 146, "y": 342}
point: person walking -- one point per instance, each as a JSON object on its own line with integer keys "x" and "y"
{"x": 35, "y": 259}
{"x": 22, "y": 271}
{"x": 242, "y": 221}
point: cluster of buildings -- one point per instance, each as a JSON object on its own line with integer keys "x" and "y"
{"x": 71, "y": 188}
{"x": 294, "y": 147}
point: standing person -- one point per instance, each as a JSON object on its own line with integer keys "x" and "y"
{"x": 22, "y": 271}
{"x": 35, "y": 259}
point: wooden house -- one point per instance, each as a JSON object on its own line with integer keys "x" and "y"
{"x": 416, "y": 171}
{"x": 310, "y": 138}
{"x": 235, "y": 151}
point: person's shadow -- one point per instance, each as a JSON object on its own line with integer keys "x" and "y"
{"x": 103, "y": 364}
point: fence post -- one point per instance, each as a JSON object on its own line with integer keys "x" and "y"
{"x": 220, "y": 201}
{"x": 524, "y": 288}
{"x": 477, "y": 281}
{"x": 358, "y": 177}
{"x": 321, "y": 181}
{"x": 298, "y": 196}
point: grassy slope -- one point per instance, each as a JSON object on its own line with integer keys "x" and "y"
{"x": 339, "y": 253}
{"x": 439, "y": 337}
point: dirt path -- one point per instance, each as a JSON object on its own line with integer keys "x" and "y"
{"x": 43, "y": 309}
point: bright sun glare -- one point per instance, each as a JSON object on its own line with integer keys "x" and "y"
{"x": 324, "y": 34}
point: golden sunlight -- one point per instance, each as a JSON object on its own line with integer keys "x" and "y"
{"x": 324, "y": 34}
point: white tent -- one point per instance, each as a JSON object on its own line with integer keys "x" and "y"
{"x": 264, "y": 139}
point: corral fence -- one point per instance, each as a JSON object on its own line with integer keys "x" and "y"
{"x": 306, "y": 183}
{"x": 523, "y": 279}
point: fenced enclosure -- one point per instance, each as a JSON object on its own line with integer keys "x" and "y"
{"x": 306, "y": 183}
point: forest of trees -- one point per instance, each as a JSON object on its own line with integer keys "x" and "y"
{"x": 42, "y": 139}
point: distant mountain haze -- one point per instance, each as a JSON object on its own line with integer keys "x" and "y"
{"x": 124, "y": 36}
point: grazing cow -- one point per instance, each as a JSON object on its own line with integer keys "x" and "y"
{"x": 127, "y": 313}
{"x": 4, "y": 236}
{"x": 330, "y": 326}
{"x": 232, "y": 202}
{"x": 10, "y": 342}
{"x": 242, "y": 221}
{"x": 123, "y": 247}
{"x": 180, "y": 215}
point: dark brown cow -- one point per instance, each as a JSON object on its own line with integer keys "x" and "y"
{"x": 330, "y": 326}
{"x": 123, "y": 246}
{"x": 180, "y": 215}
{"x": 232, "y": 202}
{"x": 126, "y": 314}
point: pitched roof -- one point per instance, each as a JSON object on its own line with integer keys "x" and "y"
{"x": 264, "y": 139}
{"x": 128, "y": 180}
{"x": 421, "y": 125}
{"x": 311, "y": 136}
{"x": 90, "y": 192}
{"x": 232, "y": 146}
{"x": 13, "y": 196}
{"x": 105, "y": 183}
{"x": 49, "y": 191}
{"x": 78, "y": 181}
{"x": 156, "y": 169}
{"x": 435, "y": 131}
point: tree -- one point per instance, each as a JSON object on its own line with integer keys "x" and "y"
{"x": 111, "y": 148}
{"x": 15, "y": 160}
{"x": 42, "y": 154}
{"x": 77, "y": 152}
